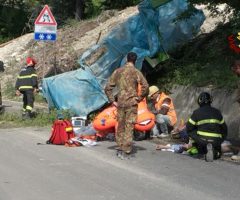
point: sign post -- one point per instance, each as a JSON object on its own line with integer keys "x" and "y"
{"x": 45, "y": 26}
{"x": 45, "y": 29}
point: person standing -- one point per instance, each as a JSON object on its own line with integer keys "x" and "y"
{"x": 1, "y": 70}
{"x": 236, "y": 70}
{"x": 127, "y": 80}
{"x": 163, "y": 108}
{"x": 207, "y": 128}
{"x": 27, "y": 85}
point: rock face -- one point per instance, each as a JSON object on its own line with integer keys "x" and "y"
{"x": 185, "y": 100}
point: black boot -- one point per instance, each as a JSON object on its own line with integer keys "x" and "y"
{"x": 209, "y": 155}
{"x": 26, "y": 115}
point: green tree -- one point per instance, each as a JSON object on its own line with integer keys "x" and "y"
{"x": 120, "y": 4}
{"x": 13, "y": 16}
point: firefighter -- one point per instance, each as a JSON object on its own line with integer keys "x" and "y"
{"x": 1, "y": 70}
{"x": 207, "y": 128}
{"x": 27, "y": 85}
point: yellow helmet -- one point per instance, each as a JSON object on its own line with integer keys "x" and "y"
{"x": 152, "y": 90}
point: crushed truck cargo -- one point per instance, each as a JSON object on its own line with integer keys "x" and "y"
{"x": 155, "y": 30}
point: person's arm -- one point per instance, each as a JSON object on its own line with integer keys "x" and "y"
{"x": 109, "y": 87}
{"x": 34, "y": 80}
{"x": 165, "y": 106}
{"x": 17, "y": 85}
{"x": 191, "y": 124}
{"x": 224, "y": 129}
{"x": 144, "y": 86}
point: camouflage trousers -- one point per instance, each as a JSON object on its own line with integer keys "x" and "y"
{"x": 126, "y": 118}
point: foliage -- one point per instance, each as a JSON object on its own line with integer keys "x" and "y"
{"x": 205, "y": 61}
{"x": 41, "y": 119}
{"x": 119, "y": 4}
{"x": 9, "y": 91}
{"x": 17, "y": 17}
{"x": 15, "y": 120}
{"x": 12, "y": 19}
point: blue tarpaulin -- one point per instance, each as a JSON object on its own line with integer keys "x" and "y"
{"x": 81, "y": 93}
{"x": 152, "y": 31}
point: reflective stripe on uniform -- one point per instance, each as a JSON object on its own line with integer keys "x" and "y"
{"x": 29, "y": 108}
{"x": 193, "y": 151}
{"x": 27, "y": 76}
{"x": 210, "y": 121}
{"x": 25, "y": 87}
{"x": 68, "y": 129}
{"x": 209, "y": 134}
{"x": 191, "y": 121}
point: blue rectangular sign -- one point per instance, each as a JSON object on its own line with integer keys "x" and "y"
{"x": 45, "y": 36}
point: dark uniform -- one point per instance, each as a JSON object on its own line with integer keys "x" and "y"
{"x": 26, "y": 83}
{"x": 126, "y": 79}
{"x": 1, "y": 70}
{"x": 206, "y": 125}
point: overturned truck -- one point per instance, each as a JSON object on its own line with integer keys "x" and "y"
{"x": 155, "y": 30}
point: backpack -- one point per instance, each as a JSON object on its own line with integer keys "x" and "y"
{"x": 62, "y": 131}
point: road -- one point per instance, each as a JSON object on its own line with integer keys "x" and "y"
{"x": 33, "y": 170}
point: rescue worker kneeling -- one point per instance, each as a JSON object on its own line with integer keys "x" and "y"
{"x": 163, "y": 107}
{"x": 207, "y": 128}
{"x": 27, "y": 85}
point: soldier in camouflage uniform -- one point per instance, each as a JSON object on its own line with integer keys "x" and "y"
{"x": 1, "y": 70}
{"x": 126, "y": 79}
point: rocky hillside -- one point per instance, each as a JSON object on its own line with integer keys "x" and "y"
{"x": 72, "y": 41}
{"x": 62, "y": 55}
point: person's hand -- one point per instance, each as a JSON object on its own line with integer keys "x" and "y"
{"x": 164, "y": 110}
{"x": 138, "y": 99}
{"x": 18, "y": 93}
{"x": 115, "y": 104}
{"x": 35, "y": 90}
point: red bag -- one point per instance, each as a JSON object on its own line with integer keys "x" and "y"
{"x": 62, "y": 131}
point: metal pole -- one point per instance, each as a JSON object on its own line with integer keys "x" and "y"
{"x": 55, "y": 58}
{"x": 44, "y": 60}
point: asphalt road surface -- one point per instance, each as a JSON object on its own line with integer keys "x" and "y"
{"x": 32, "y": 170}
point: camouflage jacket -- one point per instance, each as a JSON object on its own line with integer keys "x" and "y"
{"x": 127, "y": 79}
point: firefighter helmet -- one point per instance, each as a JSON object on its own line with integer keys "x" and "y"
{"x": 204, "y": 98}
{"x": 30, "y": 60}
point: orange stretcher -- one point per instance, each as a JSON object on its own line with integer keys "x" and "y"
{"x": 107, "y": 119}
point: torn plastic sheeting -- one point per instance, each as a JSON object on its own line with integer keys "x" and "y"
{"x": 152, "y": 31}
{"x": 78, "y": 91}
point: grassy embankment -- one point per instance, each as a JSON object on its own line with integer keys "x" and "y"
{"x": 205, "y": 61}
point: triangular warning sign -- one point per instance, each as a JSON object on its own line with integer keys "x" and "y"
{"x": 45, "y": 17}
